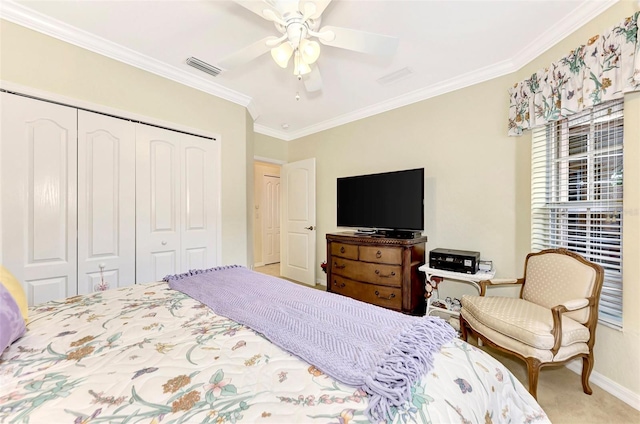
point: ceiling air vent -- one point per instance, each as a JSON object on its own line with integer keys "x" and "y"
{"x": 203, "y": 66}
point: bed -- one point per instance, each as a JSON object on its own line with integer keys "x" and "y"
{"x": 151, "y": 354}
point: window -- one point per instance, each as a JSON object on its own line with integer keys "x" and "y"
{"x": 576, "y": 194}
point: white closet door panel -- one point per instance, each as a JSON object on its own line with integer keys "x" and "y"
{"x": 39, "y": 191}
{"x": 176, "y": 203}
{"x": 157, "y": 203}
{"x": 106, "y": 202}
{"x": 198, "y": 203}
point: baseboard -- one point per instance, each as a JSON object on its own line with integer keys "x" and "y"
{"x": 627, "y": 396}
{"x": 320, "y": 282}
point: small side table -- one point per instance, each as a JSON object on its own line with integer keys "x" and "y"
{"x": 435, "y": 276}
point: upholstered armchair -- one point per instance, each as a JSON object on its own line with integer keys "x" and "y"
{"x": 554, "y": 319}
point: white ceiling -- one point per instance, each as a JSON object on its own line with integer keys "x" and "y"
{"x": 446, "y": 45}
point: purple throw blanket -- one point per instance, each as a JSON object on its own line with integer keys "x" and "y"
{"x": 378, "y": 350}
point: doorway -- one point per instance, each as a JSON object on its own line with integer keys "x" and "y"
{"x": 266, "y": 214}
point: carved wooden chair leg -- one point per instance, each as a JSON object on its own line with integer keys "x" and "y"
{"x": 533, "y": 368}
{"x": 463, "y": 328}
{"x": 587, "y": 366}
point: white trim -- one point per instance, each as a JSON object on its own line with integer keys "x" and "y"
{"x": 587, "y": 11}
{"x": 627, "y": 396}
{"x": 321, "y": 282}
{"x": 444, "y": 87}
{"x": 83, "y": 104}
{"x": 29, "y": 18}
{"x": 269, "y": 160}
{"x": 24, "y": 16}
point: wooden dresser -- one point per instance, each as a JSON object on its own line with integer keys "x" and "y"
{"x": 378, "y": 270}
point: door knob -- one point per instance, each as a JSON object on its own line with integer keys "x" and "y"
{"x": 310, "y": 227}
{"x": 164, "y": 243}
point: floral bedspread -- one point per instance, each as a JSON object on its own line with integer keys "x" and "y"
{"x": 149, "y": 354}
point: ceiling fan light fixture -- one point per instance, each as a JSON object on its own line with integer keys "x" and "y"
{"x": 299, "y": 65}
{"x": 310, "y": 51}
{"x": 282, "y": 54}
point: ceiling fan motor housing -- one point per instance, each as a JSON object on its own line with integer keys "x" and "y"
{"x": 296, "y": 27}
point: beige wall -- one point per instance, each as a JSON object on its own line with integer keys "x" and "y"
{"x": 34, "y": 60}
{"x": 477, "y": 193}
{"x": 271, "y": 148}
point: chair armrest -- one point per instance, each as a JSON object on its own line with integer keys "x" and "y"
{"x": 575, "y": 304}
{"x": 498, "y": 282}
{"x": 557, "y": 311}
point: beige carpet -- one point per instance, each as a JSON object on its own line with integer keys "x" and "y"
{"x": 559, "y": 390}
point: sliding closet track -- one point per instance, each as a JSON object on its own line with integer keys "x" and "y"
{"x": 3, "y": 90}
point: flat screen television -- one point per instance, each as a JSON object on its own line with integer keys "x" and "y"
{"x": 385, "y": 201}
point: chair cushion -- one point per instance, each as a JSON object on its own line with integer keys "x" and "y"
{"x": 524, "y": 321}
{"x": 524, "y": 350}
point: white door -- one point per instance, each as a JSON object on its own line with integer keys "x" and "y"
{"x": 298, "y": 245}
{"x": 176, "y": 203}
{"x": 199, "y": 203}
{"x": 106, "y": 202}
{"x": 270, "y": 219}
{"x": 39, "y": 147}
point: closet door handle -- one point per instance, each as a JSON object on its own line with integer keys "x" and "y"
{"x": 163, "y": 242}
{"x": 310, "y": 227}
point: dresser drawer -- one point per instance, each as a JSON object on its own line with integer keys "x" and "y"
{"x": 342, "y": 250}
{"x": 382, "y": 255}
{"x": 387, "y": 297}
{"x": 387, "y": 275}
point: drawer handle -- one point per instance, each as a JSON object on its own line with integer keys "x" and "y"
{"x": 392, "y": 274}
{"x": 340, "y": 285}
{"x": 335, "y": 265}
{"x": 341, "y": 249}
{"x": 391, "y": 296}
{"x": 378, "y": 254}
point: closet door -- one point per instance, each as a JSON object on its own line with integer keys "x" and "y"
{"x": 39, "y": 196}
{"x": 106, "y": 202}
{"x": 176, "y": 203}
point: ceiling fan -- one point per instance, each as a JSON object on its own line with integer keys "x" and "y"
{"x": 298, "y": 22}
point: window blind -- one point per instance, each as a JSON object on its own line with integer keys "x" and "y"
{"x": 576, "y": 194}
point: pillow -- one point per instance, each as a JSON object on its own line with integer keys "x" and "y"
{"x": 12, "y": 325}
{"x": 14, "y": 287}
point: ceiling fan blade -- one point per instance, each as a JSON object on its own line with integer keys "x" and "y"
{"x": 246, "y": 54}
{"x": 313, "y": 8}
{"x": 360, "y": 41}
{"x": 313, "y": 80}
{"x": 258, "y": 7}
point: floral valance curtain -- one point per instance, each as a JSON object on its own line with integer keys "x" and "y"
{"x": 604, "y": 69}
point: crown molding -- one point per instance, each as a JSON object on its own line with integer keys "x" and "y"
{"x": 36, "y": 21}
{"x": 587, "y": 10}
{"x": 571, "y": 23}
{"x": 462, "y": 81}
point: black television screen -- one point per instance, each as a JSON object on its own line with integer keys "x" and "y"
{"x": 390, "y": 200}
